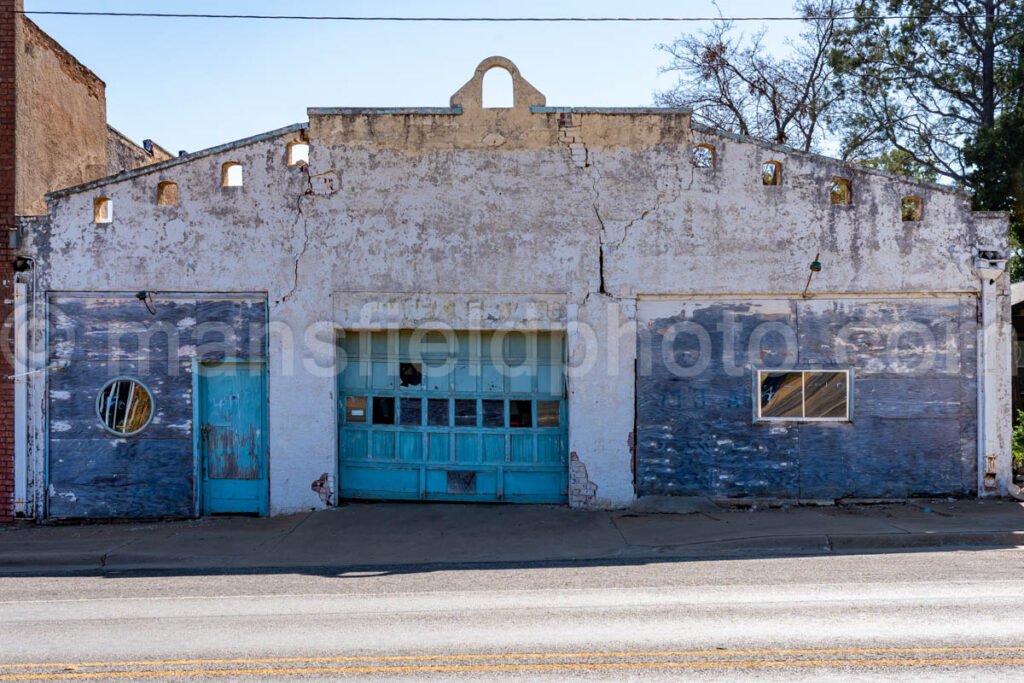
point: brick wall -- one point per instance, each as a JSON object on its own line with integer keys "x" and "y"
{"x": 7, "y": 222}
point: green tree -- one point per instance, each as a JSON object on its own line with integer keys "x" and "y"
{"x": 927, "y": 82}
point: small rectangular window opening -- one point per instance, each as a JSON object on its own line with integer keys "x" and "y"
{"x": 548, "y": 413}
{"x": 840, "y": 191}
{"x": 910, "y": 209}
{"x": 410, "y": 412}
{"x": 437, "y": 412}
{"x": 103, "y": 210}
{"x": 383, "y": 410}
{"x": 465, "y": 412}
{"x": 355, "y": 409}
{"x": 771, "y": 173}
{"x": 298, "y": 153}
{"x": 167, "y": 194}
{"x": 231, "y": 174}
{"x": 520, "y": 414}
{"x": 804, "y": 395}
{"x": 493, "y": 413}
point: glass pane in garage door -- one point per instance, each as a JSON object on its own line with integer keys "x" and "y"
{"x": 432, "y": 415}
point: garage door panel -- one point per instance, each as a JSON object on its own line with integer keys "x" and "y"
{"x": 493, "y": 448}
{"x": 521, "y": 380}
{"x": 383, "y": 446}
{"x": 550, "y": 449}
{"x": 410, "y": 447}
{"x": 379, "y": 482}
{"x": 467, "y": 379}
{"x": 493, "y": 379}
{"x": 467, "y": 448}
{"x": 439, "y": 419}
{"x": 354, "y": 445}
{"x": 522, "y": 448}
{"x": 439, "y": 447}
{"x": 529, "y": 484}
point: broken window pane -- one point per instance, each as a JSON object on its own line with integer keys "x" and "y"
{"x": 410, "y": 412}
{"x": 125, "y": 406}
{"x": 410, "y": 374}
{"x": 782, "y": 394}
{"x": 494, "y": 414}
{"x": 520, "y": 414}
{"x": 825, "y": 394}
{"x": 355, "y": 409}
{"x": 383, "y": 410}
{"x": 548, "y": 413}
{"x": 771, "y": 173}
{"x": 437, "y": 412}
{"x": 465, "y": 412}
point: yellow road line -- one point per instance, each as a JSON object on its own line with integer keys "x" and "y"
{"x": 508, "y": 655}
{"x": 513, "y": 655}
{"x": 483, "y": 668}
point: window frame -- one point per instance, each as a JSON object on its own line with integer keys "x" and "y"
{"x": 756, "y": 379}
{"x": 99, "y": 409}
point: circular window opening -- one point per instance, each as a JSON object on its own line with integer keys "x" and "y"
{"x": 124, "y": 406}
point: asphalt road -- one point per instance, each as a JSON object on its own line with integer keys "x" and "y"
{"x": 929, "y": 616}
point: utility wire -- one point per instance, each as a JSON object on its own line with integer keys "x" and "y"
{"x": 297, "y": 17}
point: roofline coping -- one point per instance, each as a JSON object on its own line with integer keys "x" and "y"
{"x": 384, "y": 111}
{"x": 456, "y": 111}
{"x": 861, "y": 168}
{"x": 177, "y": 161}
{"x": 611, "y": 110}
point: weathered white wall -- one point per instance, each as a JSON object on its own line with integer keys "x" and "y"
{"x": 446, "y": 212}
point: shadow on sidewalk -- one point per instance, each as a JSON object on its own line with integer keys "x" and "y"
{"x": 359, "y": 540}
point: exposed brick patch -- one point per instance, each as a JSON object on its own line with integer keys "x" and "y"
{"x": 570, "y": 134}
{"x": 7, "y": 223}
{"x": 582, "y": 491}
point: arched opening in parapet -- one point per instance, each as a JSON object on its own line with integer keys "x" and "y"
{"x": 498, "y": 91}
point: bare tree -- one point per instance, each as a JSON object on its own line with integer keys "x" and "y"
{"x": 731, "y": 81}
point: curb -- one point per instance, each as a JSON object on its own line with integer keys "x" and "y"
{"x": 814, "y": 544}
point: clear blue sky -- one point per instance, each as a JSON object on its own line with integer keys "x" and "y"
{"x": 190, "y": 83}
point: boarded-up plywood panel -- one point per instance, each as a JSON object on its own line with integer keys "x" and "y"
{"x": 913, "y": 428}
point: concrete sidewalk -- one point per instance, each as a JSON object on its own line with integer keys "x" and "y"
{"x": 397, "y": 534}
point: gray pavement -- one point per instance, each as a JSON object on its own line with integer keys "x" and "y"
{"x": 396, "y": 534}
{"x": 950, "y": 615}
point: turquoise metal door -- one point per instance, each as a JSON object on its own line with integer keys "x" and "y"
{"x": 467, "y": 416}
{"x": 231, "y": 406}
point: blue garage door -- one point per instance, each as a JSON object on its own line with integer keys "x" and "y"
{"x": 470, "y": 416}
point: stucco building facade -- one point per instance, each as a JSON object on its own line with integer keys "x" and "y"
{"x": 527, "y": 304}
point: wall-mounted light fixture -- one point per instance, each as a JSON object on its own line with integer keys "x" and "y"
{"x": 22, "y": 264}
{"x": 147, "y": 299}
{"x": 815, "y": 267}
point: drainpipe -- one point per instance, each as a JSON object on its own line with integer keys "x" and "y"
{"x": 19, "y": 367}
{"x": 995, "y": 476}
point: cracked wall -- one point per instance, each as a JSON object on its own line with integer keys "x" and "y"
{"x": 487, "y": 218}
